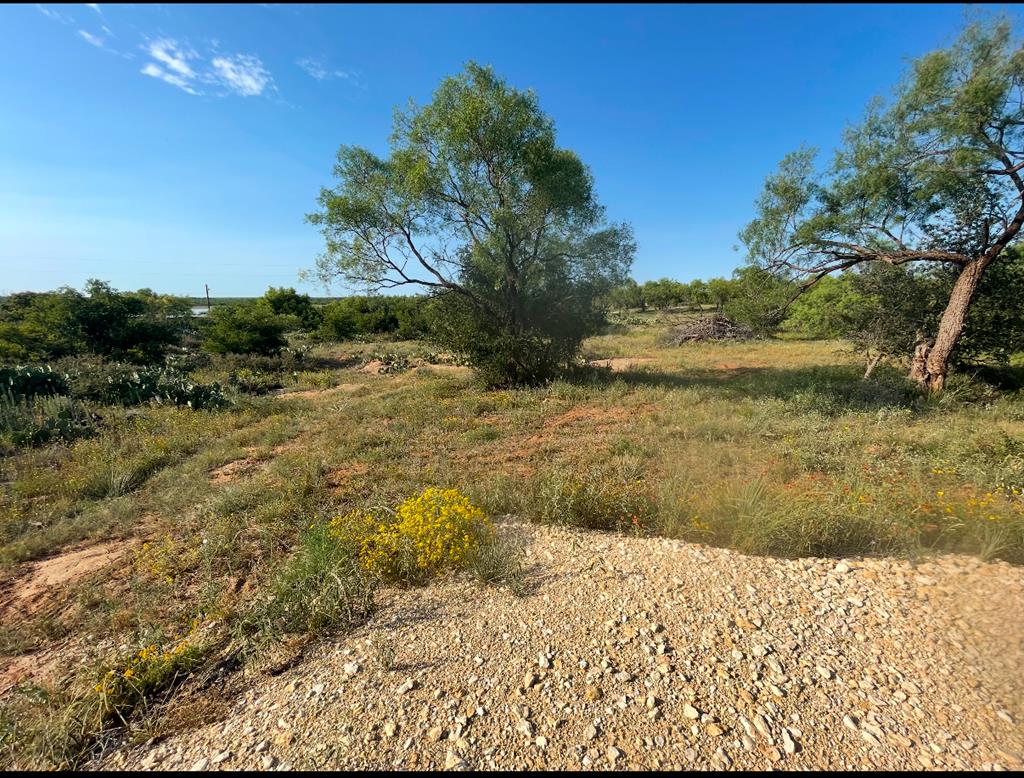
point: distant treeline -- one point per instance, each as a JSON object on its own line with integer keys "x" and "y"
{"x": 143, "y": 327}
{"x": 879, "y": 310}
{"x": 196, "y": 302}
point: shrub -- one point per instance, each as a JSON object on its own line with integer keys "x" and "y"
{"x": 498, "y": 562}
{"x": 404, "y": 318}
{"x": 140, "y": 675}
{"x": 546, "y": 343}
{"x": 254, "y": 381}
{"x": 436, "y": 531}
{"x": 245, "y": 328}
{"x": 134, "y": 326}
{"x": 338, "y": 322}
{"x": 116, "y": 384}
{"x": 298, "y": 307}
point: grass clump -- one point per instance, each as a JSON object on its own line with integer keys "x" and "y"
{"x": 593, "y": 499}
{"x": 498, "y": 563}
{"x": 320, "y": 590}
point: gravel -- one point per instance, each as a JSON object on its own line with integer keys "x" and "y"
{"x": 646, "y": 653}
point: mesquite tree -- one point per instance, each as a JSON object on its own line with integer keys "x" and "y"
{"x": 934, "y": 177}
{"x": 477, "y": 205}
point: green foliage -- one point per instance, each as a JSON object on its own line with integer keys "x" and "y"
{"x": 403, "y": 318}
{"x": 31, "y": 380}
{"x": 507, "y": 358}
{"x": 718, "y": 292}
{"x": 931, "y": 177}
{"x": 994, "y": 330}
{"x": 625, "y": 296}
{"x": 755, "y": 298}
{"x": 881, "y": 309}
{"x": 298, "y": 309}
{"x": 478, "y": 204}
{"x": 254, "y": 381}
{"x": 245, "y": 328}
{"x": 829, "y": 308}
{"x": 126, "y": 385}
{"x": 133, "y": 326}
{"x": 594, "y": 499}
{"x": 665, "y": 293}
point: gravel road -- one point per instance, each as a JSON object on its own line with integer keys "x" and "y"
{"x": 650, "y": 653}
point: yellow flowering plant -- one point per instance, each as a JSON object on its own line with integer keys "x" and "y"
{"x": 435, "y": 531}
{"x": 152, "y": 668}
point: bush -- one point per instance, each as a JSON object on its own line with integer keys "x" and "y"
{"x": 255, "y": 381}
{"x": 245, "y": 328}
{"x": 403, "y": 318}
{"x": 546, "y": 344}
{"x": 436, "y": 531}
{"x": 498, "y": 562}
{"x": 338, "y": 321}
{"x": 134, "y": 326}
{"x": 298, "y": 308}
{"x": 117, "y": 384}
{"x": 42, "y": 419}
{"x": 758, "y": 300}
{"x": 140, "y": 675}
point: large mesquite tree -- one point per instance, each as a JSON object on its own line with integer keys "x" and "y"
{"x": 478, "y": 205}
{"x": 934, "y": 177}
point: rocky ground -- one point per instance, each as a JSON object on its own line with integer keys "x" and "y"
{"x": 650, "y": 653}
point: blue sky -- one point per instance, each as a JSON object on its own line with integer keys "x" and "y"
{"x": 172, "y": 146}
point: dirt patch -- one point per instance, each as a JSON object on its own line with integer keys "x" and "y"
{"x": 35, "y": 666}
{"x": 39, "y": 586}
{"x": 232, "y": 471}
{"x": 373, "y": 366}
{"x": 621, "y": 364}
{"x": 321, "y": 392}
{"x": 446, "y": 369}
{"x": 588, "y": 413}
{"x": 339, "y": 478}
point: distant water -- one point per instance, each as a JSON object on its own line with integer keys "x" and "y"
{"x": 199, "y": 310}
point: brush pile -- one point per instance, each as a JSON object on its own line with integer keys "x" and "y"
{"x": 714, "y": 327}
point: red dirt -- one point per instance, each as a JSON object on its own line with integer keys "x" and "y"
{"x": 38, "y": 587}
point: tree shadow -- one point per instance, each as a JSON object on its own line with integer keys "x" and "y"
{"x": 832, "y": 390}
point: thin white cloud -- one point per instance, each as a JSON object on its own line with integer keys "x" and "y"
{"x": 173, "y": 56}
{"x": 242, "y": 73}
{"x": 55, "y": 15}
{"x": 88, "y": 37}
{"x": 95, "y": 7}
{"x": 154, "y": 70}
{"x": 317, "y": 68}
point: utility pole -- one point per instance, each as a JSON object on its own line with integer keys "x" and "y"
{"x": 209, "y": 309}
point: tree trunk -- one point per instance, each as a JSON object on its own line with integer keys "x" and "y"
{"x": 872, "y": 364}
{"x": 936, "y": 363}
